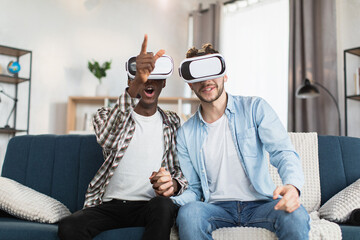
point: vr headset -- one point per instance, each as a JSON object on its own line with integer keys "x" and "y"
{"x": 202, "y": 68}
{"x": 164, "y": 66}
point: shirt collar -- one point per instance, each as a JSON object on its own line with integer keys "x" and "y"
{"x": 166, "y": 119}
{"x": 230, "y": 103}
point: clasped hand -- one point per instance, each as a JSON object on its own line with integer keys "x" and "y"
{"x": 163, "y": 184}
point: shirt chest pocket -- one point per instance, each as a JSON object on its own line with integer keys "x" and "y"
{"x": 247, "y": 142}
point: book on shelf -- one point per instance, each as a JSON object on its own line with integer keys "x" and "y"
{"x": 357, "y": 81}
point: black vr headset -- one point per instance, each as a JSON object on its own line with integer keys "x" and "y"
{"x": 164, "y": 66}
{"x": 202, "y": 68}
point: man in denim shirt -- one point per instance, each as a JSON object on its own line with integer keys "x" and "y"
{"x": 222, "y": 153}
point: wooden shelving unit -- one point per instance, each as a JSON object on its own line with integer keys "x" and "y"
{"x": 16, "y": 54}
{"x": 73, "y": 101}
{"x": 356, "y": 52}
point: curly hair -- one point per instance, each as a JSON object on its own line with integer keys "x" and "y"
{"x": 207, "y": 48}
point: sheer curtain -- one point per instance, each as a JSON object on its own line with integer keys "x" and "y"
{"x": 254, "y": 40}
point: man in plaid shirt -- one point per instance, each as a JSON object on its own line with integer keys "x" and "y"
{"x": 141, "y": 170}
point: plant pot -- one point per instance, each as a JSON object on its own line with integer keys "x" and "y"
{"x": 101, "y": 90}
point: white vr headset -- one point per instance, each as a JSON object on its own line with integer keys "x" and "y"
{"x": 164, "y": 66}
{"x": 202, "y": 68}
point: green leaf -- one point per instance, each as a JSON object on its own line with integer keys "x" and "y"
{"x": 99, "y": 71}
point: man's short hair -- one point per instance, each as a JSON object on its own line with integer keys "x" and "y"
{"x": 207, "y": 48}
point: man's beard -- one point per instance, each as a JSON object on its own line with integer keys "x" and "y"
{"x": 220, "y": 91}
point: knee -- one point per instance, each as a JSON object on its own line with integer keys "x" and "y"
{"x": 299, "y": 217}
{"x": 163, "y": 206}
{"x": 297, "y": 223}
{"x": 191, "y": 214}
{"x": 68, "y": 227}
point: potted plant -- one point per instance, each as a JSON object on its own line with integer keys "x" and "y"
{"x": 99, "y": 72}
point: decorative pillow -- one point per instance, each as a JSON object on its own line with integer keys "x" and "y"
{"x": 339, "y": 207}
{"x": 26, "y": 203}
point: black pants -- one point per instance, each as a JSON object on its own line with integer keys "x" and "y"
{"x": 156, "y": 215}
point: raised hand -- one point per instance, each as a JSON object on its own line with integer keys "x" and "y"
{"x": 145, "y": 64}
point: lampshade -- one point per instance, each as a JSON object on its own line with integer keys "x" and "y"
{"x": 307, "y": 90}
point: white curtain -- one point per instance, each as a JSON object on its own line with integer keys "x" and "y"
{"x": 254, "y": 40}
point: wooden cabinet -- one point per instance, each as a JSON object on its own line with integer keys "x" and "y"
{"x": 177, "y": 104}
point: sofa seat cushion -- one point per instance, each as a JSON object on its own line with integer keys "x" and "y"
{"x": 15, "y": 229}
{"x": 319, "y": 229}
{"x": 350, "y": 232}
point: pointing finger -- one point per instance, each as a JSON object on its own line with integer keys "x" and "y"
{"x": 144, "y": 45}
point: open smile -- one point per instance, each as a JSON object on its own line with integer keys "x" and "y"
{"x": 149, "y": 91}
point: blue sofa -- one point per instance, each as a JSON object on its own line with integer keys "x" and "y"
{"x": 61, "y": 166}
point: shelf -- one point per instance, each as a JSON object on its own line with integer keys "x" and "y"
{"x": 102, "y": 101}
{"x": 11, "y": 79}
{"x": 14, "y": 80}
{"x": 10, "y": 130}
{"x": 91, "y": 100}
{"x": 355, "y": 51}
{"x": 173, "y": 100}
{"x": 15, "y": 52}
{"x": 354, "y": 97}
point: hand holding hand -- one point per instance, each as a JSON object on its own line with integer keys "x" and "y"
{"x": 163, "y": 183}
{"x": 290, "y": 201}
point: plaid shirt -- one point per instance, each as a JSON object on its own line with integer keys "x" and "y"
{"x": 114, "y": 129}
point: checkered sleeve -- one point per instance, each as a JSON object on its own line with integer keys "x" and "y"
{"x": 110, "y": 122}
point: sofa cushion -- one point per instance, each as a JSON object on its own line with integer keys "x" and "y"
{"x": 340, "y": 206}
{"x": 60, "y": 166}
{"x": 350, "y": 232}
{"x": 339, "y": 164}
{"x": 306, "y": 145}
{"x": 26, "y": 203}
{"x": 15, "y": 229}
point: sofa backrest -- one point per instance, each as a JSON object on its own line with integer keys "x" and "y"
{"x": 339, "y": 159}
{"x": 60, "y": 166}
{"x": 306, "y": 145}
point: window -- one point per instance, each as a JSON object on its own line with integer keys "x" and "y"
{"x": 255, "y": 43}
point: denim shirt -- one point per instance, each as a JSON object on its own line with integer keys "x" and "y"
{"x": 256, "y": 129}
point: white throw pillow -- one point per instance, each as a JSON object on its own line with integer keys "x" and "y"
{"x": 26, "y": 203}
{"x": 339, "y": 207}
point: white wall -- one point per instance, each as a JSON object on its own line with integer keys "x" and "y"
{"x": 65, "y": 34}
{"x": 348, "y": 32}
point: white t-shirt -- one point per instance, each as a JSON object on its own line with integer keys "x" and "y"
{"x": 143, "y": 156}
{"x": 226, "y": 176}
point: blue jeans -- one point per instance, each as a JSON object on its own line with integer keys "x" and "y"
{"x": 197, "y": 220}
